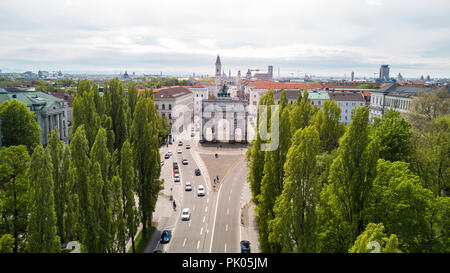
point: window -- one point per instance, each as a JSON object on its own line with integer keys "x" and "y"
{"x": 170, "y": 116}
{"x": 157, "y": 106}
{"x": 318, "y": 102}
{"x": 312, "y": 103}
{"x": 164, "y": 106}
{"x": 170, "y": 106}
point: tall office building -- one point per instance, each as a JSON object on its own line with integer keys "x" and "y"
{"x": 384, "y": 72}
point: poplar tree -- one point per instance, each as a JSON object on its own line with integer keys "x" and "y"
{"x": 301, "y": 113}
{"x": 328, "y": 125}
{"x": 146, "y": 160}
{"x": 56, "y": 149}
{"x": 82, "y": 187}
{"x": 294, "y": 224}
{"x": 130, "y": 213}
{"x": 42, "y": 230}
{"x": 350, "y": 181}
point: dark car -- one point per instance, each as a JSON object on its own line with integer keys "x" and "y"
{"x": 180, "y": 143}
{"x": 167, "y": 156}
{"x": 245, "y": 246}
{"x": 197, "y": 172}
{"x": 165, "y": 236}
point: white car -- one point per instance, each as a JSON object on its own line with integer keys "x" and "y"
{"x": 188, "y": 146}
{"x": 176, "y": 177}
{"x": 180, "y": 150}
{"x": 185, "y": 215}
{"x": 200, "y": 191}
{"x": 188, "y": 186}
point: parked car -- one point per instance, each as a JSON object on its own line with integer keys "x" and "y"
{"x": 186, "y": 214}
{"x": 167, "y": 156}
{"x": 180, "y": 150}
{"x": 185, "y": 162}
{"x": 166, "y": 235}
{"x": 188, "y": 186}
{"x": 200, "y": 191}
{"x": 170, "y": 153}
{"x": 192, "y": 134}
{"x": 180, "y": 143}
{"x": 197, "y": 172}
{"x": 188, "y": 146}
{"x": 245, "y": 246}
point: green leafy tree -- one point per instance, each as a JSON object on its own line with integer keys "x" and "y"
{"x": 295, "y": 219}
{"x": 84, "y": 112}
{"x": 6, "y": 243}
{"x": 132, "y": 98}
{"x": 328, "y": 125}
{"x": 375, "y": 233}
{"x": 255, "y": 157}
{"x": 394, "y": 134}
{"x": 402, "y": 205}
{"x": 146, "y": 159}
{"x": 19, "y": 125}
{"x": 14, "y": 198}
{"x": 301, "y": 113}
{"x": 431, "y": 158}
{"x": 42, "y": 225}
{"x": 56, "y": 149}
{"x": 351, "y": 175}
{"x": 130, "y": 213}
{"x": 116, "y": 108}
{"x": 82, "y": 188}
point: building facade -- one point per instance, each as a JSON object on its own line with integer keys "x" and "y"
{"x": 393, "y": 96}
{"x": 173, "y": 102}
{"x": 347, "y": 101}
{"x": 51, "y": 112}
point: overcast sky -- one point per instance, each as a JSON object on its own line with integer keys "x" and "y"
{"x": 319, "y": 37}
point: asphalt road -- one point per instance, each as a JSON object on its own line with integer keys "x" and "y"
{"x": 215, "y": 218}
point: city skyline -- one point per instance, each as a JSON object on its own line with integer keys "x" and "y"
{"x": 174, "y": 37}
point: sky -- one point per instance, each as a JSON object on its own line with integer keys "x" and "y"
{"x": 297, "y": 37}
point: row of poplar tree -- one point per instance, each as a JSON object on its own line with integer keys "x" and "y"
{"x": 97, "y": 190}
{"x": 332, "y": 188}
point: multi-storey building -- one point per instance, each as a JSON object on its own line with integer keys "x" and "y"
{"x": 347, "y": 101}
{"x": 51, "y": 112}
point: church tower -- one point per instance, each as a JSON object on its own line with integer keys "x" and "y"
{"x": 218, "y": 67}
{"x": 218, "y": 73}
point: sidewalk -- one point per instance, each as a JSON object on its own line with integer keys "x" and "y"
{"x": 249, "y": 228}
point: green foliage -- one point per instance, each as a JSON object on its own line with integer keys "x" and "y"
{"x": 42, "y": 230}
{"x": 394, "y": 134}
{"x": 144, "y": 139}
{"x": 431, "y": 159}
{"x": 328, "y": 125}
{"x": 350, "y": 181}
{"x": 6, "y": 243}
{"x": 19, "y": 126}
{"x": 294, "y": 224}
{"x": 301, "y": 113}
{"x": 14, "y": 197}
{"x": 375, "y": 233}
{"x": 402, "y": 205}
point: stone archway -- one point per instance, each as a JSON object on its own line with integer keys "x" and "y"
{"x": 224, "y": 111}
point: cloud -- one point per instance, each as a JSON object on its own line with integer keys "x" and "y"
{"x": 320, "y": 37}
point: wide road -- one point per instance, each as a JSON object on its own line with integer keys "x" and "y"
{"x": 215, "y": 218}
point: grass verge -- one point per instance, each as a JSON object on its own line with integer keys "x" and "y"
{"x": 142, "y": 242}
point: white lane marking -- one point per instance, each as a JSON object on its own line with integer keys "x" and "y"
{"x": 204, "y": 217}
{"x": 228, "y": 211}
{"x": 198, "y": 244}
{"x": 226, "y": 227}
{"x": 207, "y": 200}
{"x": 225, "y": 247}
{"x": 201, "y": 231}
{"x": 190, "y": 223}
{"x": 229, "y": 197}
{"x": 214, "y": 224}
{"x": 184, "y": 242}
{"x": 206, "y": 209}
